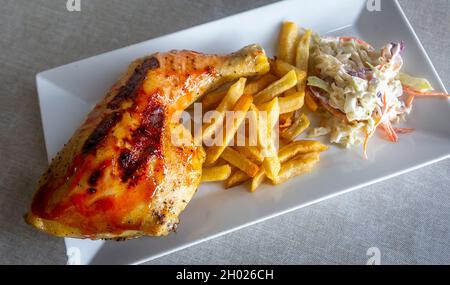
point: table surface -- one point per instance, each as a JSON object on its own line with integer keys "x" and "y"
{"x": 407, "y": 217}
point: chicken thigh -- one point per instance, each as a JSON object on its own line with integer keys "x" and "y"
{"x": 120, "y": 175}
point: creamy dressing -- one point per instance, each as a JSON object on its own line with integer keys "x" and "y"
{"x": 359, "y": 82}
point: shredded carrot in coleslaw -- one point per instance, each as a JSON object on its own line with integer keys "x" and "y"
{"x": 360, "y": 86}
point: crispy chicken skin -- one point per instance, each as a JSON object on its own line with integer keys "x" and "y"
{"x": 120, "y": 176}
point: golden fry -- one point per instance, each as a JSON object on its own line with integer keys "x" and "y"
{"x": 304, "y": 155}
{"x": 213, "y": 99}
{"x": 300, "y": 147}
{"x": 255, "y": 86}
{"x": 262, "y": 135}
{"x": 286, "y": 120}
{"x": 240, "y": 109}
{"x": 285, "y": 83}
{"x": 272, "y": 166}
{"x": 273, "y": 114}
{"x": 251, "y": 152}
{"x": 218, "y": 162}
{"x": 287, "y": 42}
{"x": 292, "y": 102}
{"x": 289, "y": 103}
{"x": 295, "y": 167}
{"x": 216, "y": 173}
{"x": 281, "y": 68}
{"x": 302, "y": 58}
{"x": 241, "y": 162}
{"x": 289, "y": 92}
{"x": 233, "y": 95}
{"x": 264, "y": 132}
{"x": 257, "y": 180}
{"x": 251, "y": 128}
{"x": 281, "y": 94}
{"x": 271, "y": 162}
{"x": 238, "y": 177}
{"x": 300, "y": 124}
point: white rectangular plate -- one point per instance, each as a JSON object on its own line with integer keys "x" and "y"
{"x": 67, "y": 94}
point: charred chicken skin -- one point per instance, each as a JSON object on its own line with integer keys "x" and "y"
{"x": 120, "y": 175}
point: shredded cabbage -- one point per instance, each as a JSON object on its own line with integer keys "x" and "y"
{"x": 317, "y": 82}
{"x": 360, "y": 82}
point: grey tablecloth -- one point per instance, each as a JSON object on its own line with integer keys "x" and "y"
{"x": 407, "y": 218}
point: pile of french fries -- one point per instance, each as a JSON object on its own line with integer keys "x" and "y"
{"x": 282, "y": 94}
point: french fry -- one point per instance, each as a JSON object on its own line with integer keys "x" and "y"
{"x": 241, "y": 162}
{"x": 264, "y": 129}
{"x": 271, "y": 162}
{"x": 285, "y": 83}
{"x": 247, "y": 134}
{"x": 289, "y": 103}
{"x": 255, "y": 86}
{"x": 240, "y": 109}
{"x": 300, "y": 124}
{"x": 252, "y": 126}
{"x": 310, "y": 102}
{"x": 292, "y": 102}
{"x": 289, "y": 92}
{"x": 300, "y": 147}
{"x": 236, "y": 178}
{"x": 287, "y": 42}
{"x": 273, "y": 115}
{"x": 213, "y": 99}
{"x": 272, "y": 166}
{"x": 281, "y": 94}
{"x": 234, "y": 93}
{"x": 216, "y": 173}
{"x": 218, "y": 162}
{"x": 251, "y": 152}
{"x": 286, "y": 120}
{"x": 281, "y": 68}
{"x": 263, "y": 134}
{"x": 299, "y": 165}
{"x": 257, "y": 180}
{"x": 302, "y": 57}
{"x": 298, "y": 150}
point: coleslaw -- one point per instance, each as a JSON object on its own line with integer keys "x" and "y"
{"x": 361, "y": 89}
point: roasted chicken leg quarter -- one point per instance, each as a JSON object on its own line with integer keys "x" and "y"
{"x": 120, "y": 175}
